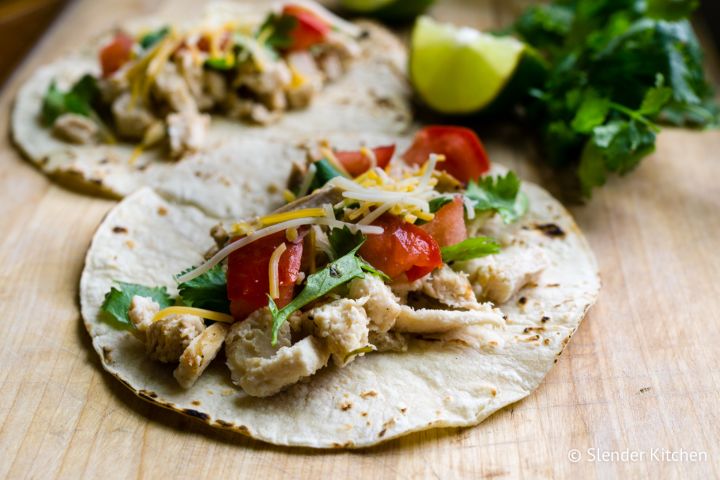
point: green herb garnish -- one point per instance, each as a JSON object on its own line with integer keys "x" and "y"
{"x": 78, "y": 100}
{"x": 150, "y": 39}
{"x": 208, "y": 291}
{"x": 617, "y": 69}
{"x": 470, "y": 248}
{"x": 499, "y": 194}
{"x": 275, "y": 31}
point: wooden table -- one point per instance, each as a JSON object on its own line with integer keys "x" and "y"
{"x": 642, "y": 372}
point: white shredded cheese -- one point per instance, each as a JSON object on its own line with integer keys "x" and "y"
{"x": 273, "y": 270}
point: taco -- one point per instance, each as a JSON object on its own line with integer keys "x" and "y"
{"x": 406, "y": 292}
{"x": 151, "y": 95}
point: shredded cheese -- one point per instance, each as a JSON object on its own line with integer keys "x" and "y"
{"x": 273, "y": 268}
{"x": 289, "y": 196}
{"x": 264, "y": 232}
{"x": 285, "y": 216}
{"x": 200, "y": 312}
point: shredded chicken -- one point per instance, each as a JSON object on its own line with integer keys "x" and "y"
{"x": 215, "y": 85}
{"x": 75, "y": 128}
{"x": 388, "y": 341}
{"x": 381, "y": 305}
{"x": 131, "y": 120}
{"x": 343, "y": 324}
{"x": 498, "y": 277}
{"x": 262, "y": 370}
{"x": 172, "y": 88}
{"x": 445, "y": 285}
{"x": 197, "y": 356}
{"x": 165, "y": 339}
{"x": 426, "y": 320}
{"x": 187, "y": 132}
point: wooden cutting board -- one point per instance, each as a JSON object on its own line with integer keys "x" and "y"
{"x": 641, "y": 373}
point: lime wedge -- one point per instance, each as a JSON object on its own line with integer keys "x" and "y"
{"x": 393, "y": 10}
{"x": 460, "y": 70}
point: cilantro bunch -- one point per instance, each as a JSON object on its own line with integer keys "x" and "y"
{"x": 618, "y": 68}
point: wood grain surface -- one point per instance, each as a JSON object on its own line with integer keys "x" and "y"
{"x": 641, "y": 373}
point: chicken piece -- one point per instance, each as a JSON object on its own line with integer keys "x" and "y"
{"x": 261, "y": 115}
{"x": 187, "y": 132}
{"x": 172, "y": 88}
{"x": 167, "y": 338}
{"x": 112, "y": 87}
{"x": 498, "y": 277}
{"x": 426, "y": 320}
{"x": 141, "y": 313}
{"x": 131, "y": 120}
{"x": 275, "y": 101}
{"x": 388, "y": 341}
{"x": 381, "y": 305}
{"x": 75, "y": 128}
{"x": 215, "y": 85}
{"x": 343, "y": 324}
{"x": 307, "y": 79}
{"x": 275, "y": 77}
{"x": 197, "y": 356}
{"x": 262, "y": 370}
{"x": 331, "y": 65}
{"x": 194, "y": 75}
{"x": 445, "y": 285}
{"x": 345, "y": 48}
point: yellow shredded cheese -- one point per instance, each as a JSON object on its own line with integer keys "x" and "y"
{"x": 200, "y": 312}
{"x": 291, "y": 234}
{"x": 273, "y": 268}
{"x": 285, "y": 216}
{"x": 289, "y": 196}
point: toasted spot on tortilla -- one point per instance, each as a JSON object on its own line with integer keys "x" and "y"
{"x": 119, "y": 229}
{"x": 197, "y": 403}
{"x": 369, "y": 393}
{"x": 194, "y": 413}
{"x": 551, "y": 230}
{"x": 162, "y": 211}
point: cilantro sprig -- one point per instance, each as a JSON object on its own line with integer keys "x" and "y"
{"x": 618, "y": 69}
{"x": 470, "y": 248}
{"x": 79, "y": 99}
{"x": 500, "y": 194}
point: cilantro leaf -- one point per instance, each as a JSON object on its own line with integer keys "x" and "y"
{"x": 78, "y": 100}
{"x": 499, "y": 194}
{"x": 439, "y": 202}
{"x": 117, "y": 301}
{"x": 150, "y": 39}
{"x": 275, "y": 31}
{"x": 470, "y": 248}
{"x": 343, "y": 241}
{"x": 336, "y": 273}
{"x": 208, "y": 291}
{"x": 592, "y": 112}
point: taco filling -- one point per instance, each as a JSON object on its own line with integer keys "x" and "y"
{"x": 373, "y": 250}
{"x": 157, "y": 88}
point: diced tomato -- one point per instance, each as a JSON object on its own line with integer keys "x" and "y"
{"x": 465, "y": 157}
{"x": 401, "y": 248}
{"x": 448, "y": 226}
{"x": 356, "y": 163}
{"x": 247, "y": 275}
{"x": 116, "y": 53}
{"x": 310, "y": 29}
